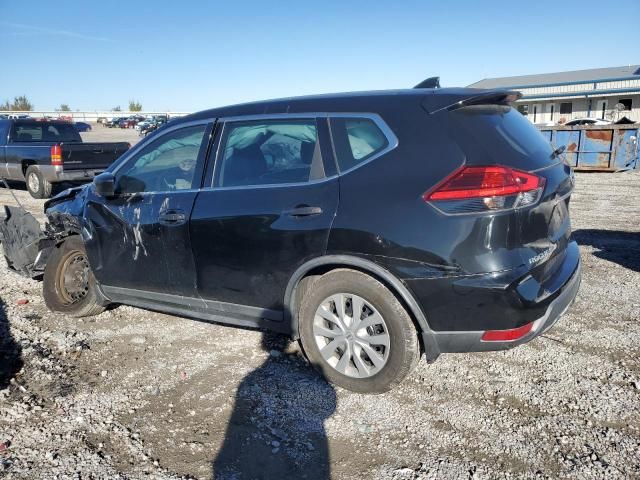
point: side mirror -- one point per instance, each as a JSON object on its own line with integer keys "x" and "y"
{"x": 105, "y": 184}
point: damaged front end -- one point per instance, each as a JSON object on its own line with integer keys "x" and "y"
{"x": 26, "y": 244}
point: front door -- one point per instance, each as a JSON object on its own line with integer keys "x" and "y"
{"x": 140, "y": 238}
{"x": 273, "y": 200}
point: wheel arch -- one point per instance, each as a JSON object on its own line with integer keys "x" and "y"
{"x": 25, "y": 164}
{"x": 321, "y": 265}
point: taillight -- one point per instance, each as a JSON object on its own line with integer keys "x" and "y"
{"x": 507, "y": 335}
{"x": 56, "y": 155}
{"x": 474, "y": 189}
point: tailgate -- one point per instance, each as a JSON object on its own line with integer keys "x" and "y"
{"x": 91, "y": 156}
{"x": 497, "y": 134}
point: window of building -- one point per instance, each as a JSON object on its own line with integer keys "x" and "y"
{"x": 552, "y": 111}
{"x": 523, "y": 109}
{"x": 270, "y": 152}
{"x": 627, "y": 102}
{"x": 536, "y": 111}
{"x": 356, "y": 140}
{"x": 566, "y": 108}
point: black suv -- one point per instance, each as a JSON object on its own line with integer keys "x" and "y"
{"x": 374, "y": 227}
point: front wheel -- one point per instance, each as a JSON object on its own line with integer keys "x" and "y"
{"x": 68, "y": 284}
{"x": 357, "y": 333}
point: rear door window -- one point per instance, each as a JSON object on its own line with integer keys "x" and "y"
{"x": 356, "y": 140}
{"x": 269, "y": 152}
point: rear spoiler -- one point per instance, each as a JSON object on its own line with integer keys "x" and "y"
{"x": 452, "y": 99}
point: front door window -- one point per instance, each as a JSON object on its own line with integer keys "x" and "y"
{"x": 167, "y": 164}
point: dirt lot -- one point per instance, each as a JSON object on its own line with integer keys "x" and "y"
{"x": 133, "y": 394}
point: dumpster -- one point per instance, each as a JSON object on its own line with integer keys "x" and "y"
{"x": 609, "y": 148}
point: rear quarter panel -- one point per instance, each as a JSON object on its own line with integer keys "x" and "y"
{"x": 382, "y": 214}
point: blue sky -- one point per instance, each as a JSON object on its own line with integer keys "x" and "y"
{"x": 191, "y": 55}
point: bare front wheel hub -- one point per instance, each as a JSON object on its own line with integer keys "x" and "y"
{"x": 73, "y": 277}
{"x": 351, "y": 335}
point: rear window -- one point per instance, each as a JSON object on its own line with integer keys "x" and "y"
{"x": 356, "y": 140}
{"x": 499, "y": 134}
{"x": 45, "y": 132}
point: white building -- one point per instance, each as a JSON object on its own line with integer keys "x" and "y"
{"x": 609, "y": 93}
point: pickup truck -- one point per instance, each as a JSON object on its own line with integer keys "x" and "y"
{"x": 41, "y": 153}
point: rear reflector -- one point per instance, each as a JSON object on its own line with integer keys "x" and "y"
{"x": 507, "y": 335}
{"x": 56, "y": 155}
{"x": 485, "y": 188}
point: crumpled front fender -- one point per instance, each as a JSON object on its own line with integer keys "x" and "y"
{"x": 26, "y": 244}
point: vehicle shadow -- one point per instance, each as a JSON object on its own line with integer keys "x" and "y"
{"x": 56, "y": 189}
{"x": 276, "y": 429}
{"x": 615, "y": 246}
{"x": 10, "y": 351}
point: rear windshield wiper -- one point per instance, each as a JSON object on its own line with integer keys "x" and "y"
{"x": 558, "y": 151}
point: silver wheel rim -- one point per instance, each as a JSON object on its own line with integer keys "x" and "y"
{"x": 351, "y": 335}
{"x": 34, "y": 182}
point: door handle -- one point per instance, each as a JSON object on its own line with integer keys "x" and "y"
{"x": 172, "y": 217}
{"x": 304, "y": 211}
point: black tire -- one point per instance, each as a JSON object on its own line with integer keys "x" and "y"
{"x": 86, "y": 303}
{"x": 404, "y": 349}
{"x": 38, "y": 187}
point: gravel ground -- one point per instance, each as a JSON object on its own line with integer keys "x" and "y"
{"x": 136, "y": 394}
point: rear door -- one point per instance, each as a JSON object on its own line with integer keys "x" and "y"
{"x": 270, "y": 209}
{"x": 140, "y": 238}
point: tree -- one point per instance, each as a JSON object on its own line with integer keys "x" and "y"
{"x": 116, "y": 109}
{"x": 64, "y": 108}
{"x": 135, "y": 106}
{"x": 20, "y": 103}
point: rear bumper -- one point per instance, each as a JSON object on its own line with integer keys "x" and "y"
{"x": 471, "y": 341}
{"x": 55, "y": 174}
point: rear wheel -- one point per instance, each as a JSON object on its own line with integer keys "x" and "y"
{"x": 68, "y": 284}
{"x": 356, "y": 332}
{"x": 38, "y": 186}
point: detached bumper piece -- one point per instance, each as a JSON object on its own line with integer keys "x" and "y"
{"x": 22, "y": 239}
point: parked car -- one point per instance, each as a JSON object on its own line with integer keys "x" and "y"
{"x": 127, "y": 122}
{"x": 42, "y": 153}
{"x": 147, "y": 129}
{"x": 113, "y": 122}
{"x": 82, "y": 127}
{"x": 374, "y": 227}
{"x": 587, "y": 121}
{"x": 144, "y": 123}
